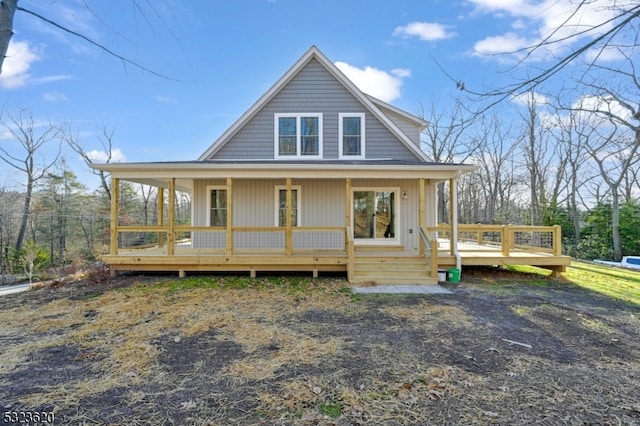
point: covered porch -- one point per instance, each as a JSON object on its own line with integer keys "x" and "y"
{"x": 172, "y": 246}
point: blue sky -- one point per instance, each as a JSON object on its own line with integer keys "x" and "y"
{"x": 218, "y": 57}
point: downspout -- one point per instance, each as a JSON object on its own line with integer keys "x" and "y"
{"x": 453, "y": 219}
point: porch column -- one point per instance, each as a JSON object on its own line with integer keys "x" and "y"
{"x": 171, "y": 219}
{"x": 453, "y": 219}
{"x": 347, "y": 203}
{"x": 422, "y": 218}
{"x": 160, "y": 207}
{"x": 288, "y": 232}
{"x": 229, "y": 216}
{"x": 115, "y": 208}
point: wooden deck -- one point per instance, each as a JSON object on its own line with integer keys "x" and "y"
{"x": 477, "y": 245}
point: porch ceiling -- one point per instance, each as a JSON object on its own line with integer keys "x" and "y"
{"x": 184, "y": 172}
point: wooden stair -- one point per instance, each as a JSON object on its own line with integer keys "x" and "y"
{"x": 391, "y": 270}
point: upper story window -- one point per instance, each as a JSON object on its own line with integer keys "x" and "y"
{"x": 298, "y": 135}
{"x": 351, "y": 135}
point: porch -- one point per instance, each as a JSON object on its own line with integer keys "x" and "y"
{"x": 357, "y": 246}
{"x": 171, "y": 248}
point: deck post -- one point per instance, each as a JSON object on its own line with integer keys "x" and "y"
{"x": 171, "y": 237}
{"x": 348, "y": 237}
{"x": 506, "y": 240}
{"x": 229, "y": 244}
{"x": 160, "y": 221}
{"x": 288, "y": 231}
{"x": 347, "y": 202}
{"x": 115, "y": 208}
{"x": 557, "y": 240}
{"x": 422, "y": 218}
{"x": 453, "y": 220}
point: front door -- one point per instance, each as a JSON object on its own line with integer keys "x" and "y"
{"x": 374, "y": 214}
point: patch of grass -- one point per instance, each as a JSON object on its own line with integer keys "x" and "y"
{"x": 332, "y": 409}
{"x": 617, "y": 283}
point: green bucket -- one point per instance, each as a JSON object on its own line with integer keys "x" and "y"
{"x": 454, "y": 275}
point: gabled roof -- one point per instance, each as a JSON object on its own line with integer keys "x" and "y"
{"x": 373, "y": 105}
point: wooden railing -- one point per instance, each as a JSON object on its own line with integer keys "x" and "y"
{"x": 240, "y": 239}
{"x": 430, "y": 251}
{"x": 503, "y": 238}
{"x": 351, "y": 252}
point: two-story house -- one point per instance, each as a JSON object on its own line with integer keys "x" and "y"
{"x": 315, "y": 176}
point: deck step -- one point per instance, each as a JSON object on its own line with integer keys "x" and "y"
{"x": 392, "y": 270}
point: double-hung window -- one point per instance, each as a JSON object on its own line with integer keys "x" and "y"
{"x": 217, "y": 212}
{"x": 281, "y": 206}
{"x": 351, "y": 135}
{"x": 298, "y": 135}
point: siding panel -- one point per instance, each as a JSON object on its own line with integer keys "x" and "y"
{"x": 312, "y": 90}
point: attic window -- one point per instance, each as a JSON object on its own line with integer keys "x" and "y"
{"x": 351, "y": 135}
{"x": 298, "y": 135}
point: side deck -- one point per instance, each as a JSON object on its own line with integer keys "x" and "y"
{"x": 156, "y": 248}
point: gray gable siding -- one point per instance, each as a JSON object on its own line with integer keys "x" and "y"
{"x": 312, "y": 90}
{"x": 407, "y": 127}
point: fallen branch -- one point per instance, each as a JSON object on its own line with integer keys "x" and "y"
{"x": 513, "y": 342}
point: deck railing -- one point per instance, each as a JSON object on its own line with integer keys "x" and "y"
{"x": 503, "y": 238}
{"x": 430, "y": 245}
{"x": 155, "y": 239}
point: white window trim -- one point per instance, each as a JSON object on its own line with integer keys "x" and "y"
{"x": 209, "y": 189}
{"x": 277, "y": 203}
{"x": 298, "y": 116}
{"x": 362, "y": 135}
{"x": 379, "y": 241}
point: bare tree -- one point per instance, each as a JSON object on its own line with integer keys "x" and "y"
{"x": 105, "y": 137}
{"x": 497, "y": 170}
{"x": 444, "y": 141}
{"x": 9, "y": 7}
{"x": 31, "y": 139}
{"x": 592, "y": 42}
{"x": 7, "y": 11}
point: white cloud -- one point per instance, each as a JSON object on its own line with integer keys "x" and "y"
{"x": 427, "y": 31}
{"x": 101, "y": 156}
{"x": 507, "y": 43}
{"x": 15, "y": 69}
{"x": 560, "y": 23}
{"x": 588, "y": 104}
{"x": 55, "y": 97}
{"x": 377, "y": 83}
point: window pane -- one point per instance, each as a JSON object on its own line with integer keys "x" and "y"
{"x": 218, "y": 217}
{"x": 218, "y": 207}
{"x": 351, "y": 126}
{"x": 287, "y": 136}
{"x": 282, "y": 207}
{"x": 351, "y": 136}
{"x": 310, "y": 135}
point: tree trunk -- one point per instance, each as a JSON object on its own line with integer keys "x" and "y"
{"x": 615, "y": 224}
{"x": 25, "y": 214}
{"x": 7, "y": 10}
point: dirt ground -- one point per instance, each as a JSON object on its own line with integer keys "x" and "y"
{"x": 226, "y": 350}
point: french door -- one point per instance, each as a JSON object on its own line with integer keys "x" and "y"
{"x": 374, "y": 214}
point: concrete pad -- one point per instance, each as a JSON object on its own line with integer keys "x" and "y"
{"x": 402, "y": 289}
